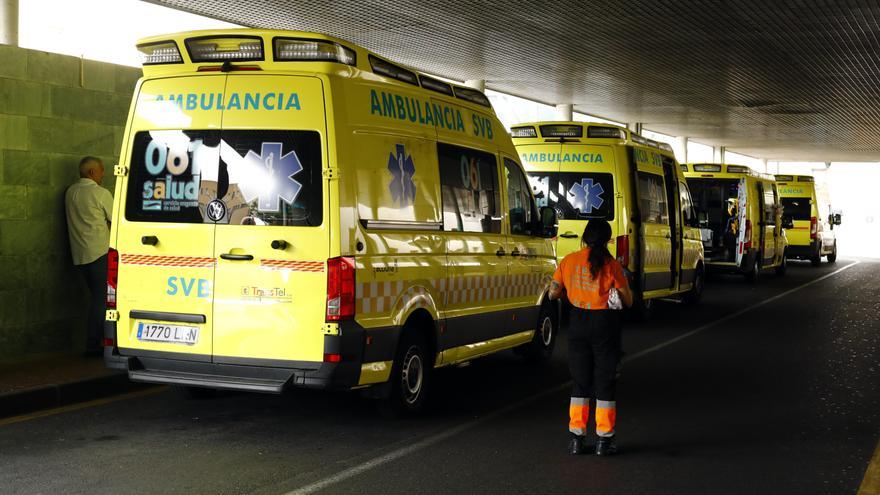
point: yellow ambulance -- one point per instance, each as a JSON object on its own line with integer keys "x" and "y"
{"x": 810, "y": 237}
{"x": 293, "y": 210}
{"x": 589, "y": 170}
{"x": 739, "y": 214}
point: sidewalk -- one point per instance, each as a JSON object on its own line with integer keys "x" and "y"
{"x": 55, "y": 381}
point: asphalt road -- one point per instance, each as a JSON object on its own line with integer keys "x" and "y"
{"x": 769, "y": 389}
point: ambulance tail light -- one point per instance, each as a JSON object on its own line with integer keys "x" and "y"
{"x": 623, "y": 250}
{"x": 747, "y": 243}
{"x": 814, "y": 227}
{"x": 300, "y": 50}
{"x": 112, "y": 277}
{"x": 163, "y": 52}
{"x": 223, "y": 48}
{"x": 340, "y": 288}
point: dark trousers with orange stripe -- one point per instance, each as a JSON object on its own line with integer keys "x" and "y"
{"x": 594, "y": 351}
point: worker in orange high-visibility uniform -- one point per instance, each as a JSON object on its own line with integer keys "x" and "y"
{"x": 586, "y": 278}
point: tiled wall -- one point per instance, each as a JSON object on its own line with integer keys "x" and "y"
{"x": 53, "y": 110}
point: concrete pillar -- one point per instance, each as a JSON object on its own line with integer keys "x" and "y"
{"x": 635, "y": 127}
{"x": 565, "y": 111}
{"x": 766, "y": 166}
{"x": 478, "y": 84}
{"x": 9, "y": 22}
{"x": 718, "y": 153}
{"x": 681, "y": 149}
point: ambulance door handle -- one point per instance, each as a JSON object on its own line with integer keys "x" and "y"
{"x": 279, "y": 244}
{"x": 149, "y": 240}
{"x": 515, "y": 252}
{"x": 500, "y": 252}
{"x": 237, "y": 257}
{"x": 568, "y": 235}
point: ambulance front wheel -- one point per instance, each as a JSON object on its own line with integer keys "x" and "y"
{"x": 410, "y": 376}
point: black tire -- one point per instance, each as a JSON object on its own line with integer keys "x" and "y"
{"x": 540, "y": 349}
{"x": 832, "y": 258}
{"x": 753, "y": 275}
{"x": 196, "y": 393}
{"x": 694, "y": 295}
{"x": 782, "y": 268}
{"x": 410, "y": 376}
{"x": 816, "y": 260}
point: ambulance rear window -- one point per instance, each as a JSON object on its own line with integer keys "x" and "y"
{"x": 241, "y": 177}
{"x": 575, "y": 195}
{"x": 798, "y": 208}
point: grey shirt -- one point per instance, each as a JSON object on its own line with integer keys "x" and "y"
{"x": 89, "y": 210}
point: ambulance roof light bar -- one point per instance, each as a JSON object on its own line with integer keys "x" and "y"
{"x": 603, "y": 132}
{"x": 308, "y": 50}
{"x": 562, "y": 131}
{"x": 707, "y": 167}
{"x": 737, "y": 169}
{"x": 523, "y": 132}
{"x": 161, "y": 52}
{"x": 222, "y": 48}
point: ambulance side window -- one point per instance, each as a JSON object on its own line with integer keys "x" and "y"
{"x": 769, "y": 206}
{"x": 652, "y": 198}
{"x": 469, "y": 184}
{"x": 689, "y": 217}
{"x": 521, "y": 204}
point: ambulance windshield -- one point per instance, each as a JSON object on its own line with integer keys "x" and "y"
{"x": 228, "y": 177}
{"x": 575, "y": 195}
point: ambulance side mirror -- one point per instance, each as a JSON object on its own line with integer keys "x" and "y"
{"x": 787, "y": 222}
{"x": 548, "y": 222}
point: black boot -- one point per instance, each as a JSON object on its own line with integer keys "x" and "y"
{"x": 576, "y": 445}
{"x": 606, "y": 446}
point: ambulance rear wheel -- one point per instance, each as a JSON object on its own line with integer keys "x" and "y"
{"x": 753, "y": 275}
{"x": 833, "y": 256}
{"x": 696, "y": 293}
{"x": 541, "y": 347}
{"x": 782, "y": 268}
{"x": 816, "y": 260}
{"x": 410, "y": 376}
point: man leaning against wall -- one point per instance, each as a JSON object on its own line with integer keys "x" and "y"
{"x": 89, "y": 209}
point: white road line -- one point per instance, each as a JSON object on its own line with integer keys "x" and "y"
{"x": 443, "y": 435}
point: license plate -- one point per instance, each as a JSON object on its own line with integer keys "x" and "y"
{"x": 160, "y": 332}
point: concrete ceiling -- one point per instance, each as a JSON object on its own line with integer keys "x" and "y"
{"x": 779, "y": 79}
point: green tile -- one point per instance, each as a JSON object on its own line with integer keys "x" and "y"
{"x": 27, "y": 238}
{"x": 53, "y": 68}
{"x": 99, "y": 76}
{"x": 45, "y": 202}
{"x": 25, "y": 168}
{"x": 13, "y": 312}
{"x": 126, "y": 79}
{"x": 13, "y": 132}
{"x": 13, "y": 62}
{"x": 13, "y": 341}
{"x": 63, "y": 169}
{"x": 14, "y": 270}
{"x": 68, "y": 136}
{"x": 89, "y": 106}
{"x": 20, "y": 97}
{"x": 13, "y": 202}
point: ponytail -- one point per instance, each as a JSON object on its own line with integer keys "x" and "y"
{"x": 596, "y": 235}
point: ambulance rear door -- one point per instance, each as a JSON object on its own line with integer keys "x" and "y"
{"x": 164, "y": 240}
{"x": 273, "y": 222}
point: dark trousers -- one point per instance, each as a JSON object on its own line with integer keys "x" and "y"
{"x": 95, "y": 274}
{"x": 594, "y": 353}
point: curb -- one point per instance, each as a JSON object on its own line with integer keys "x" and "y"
{"x": 62, "y": 394}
